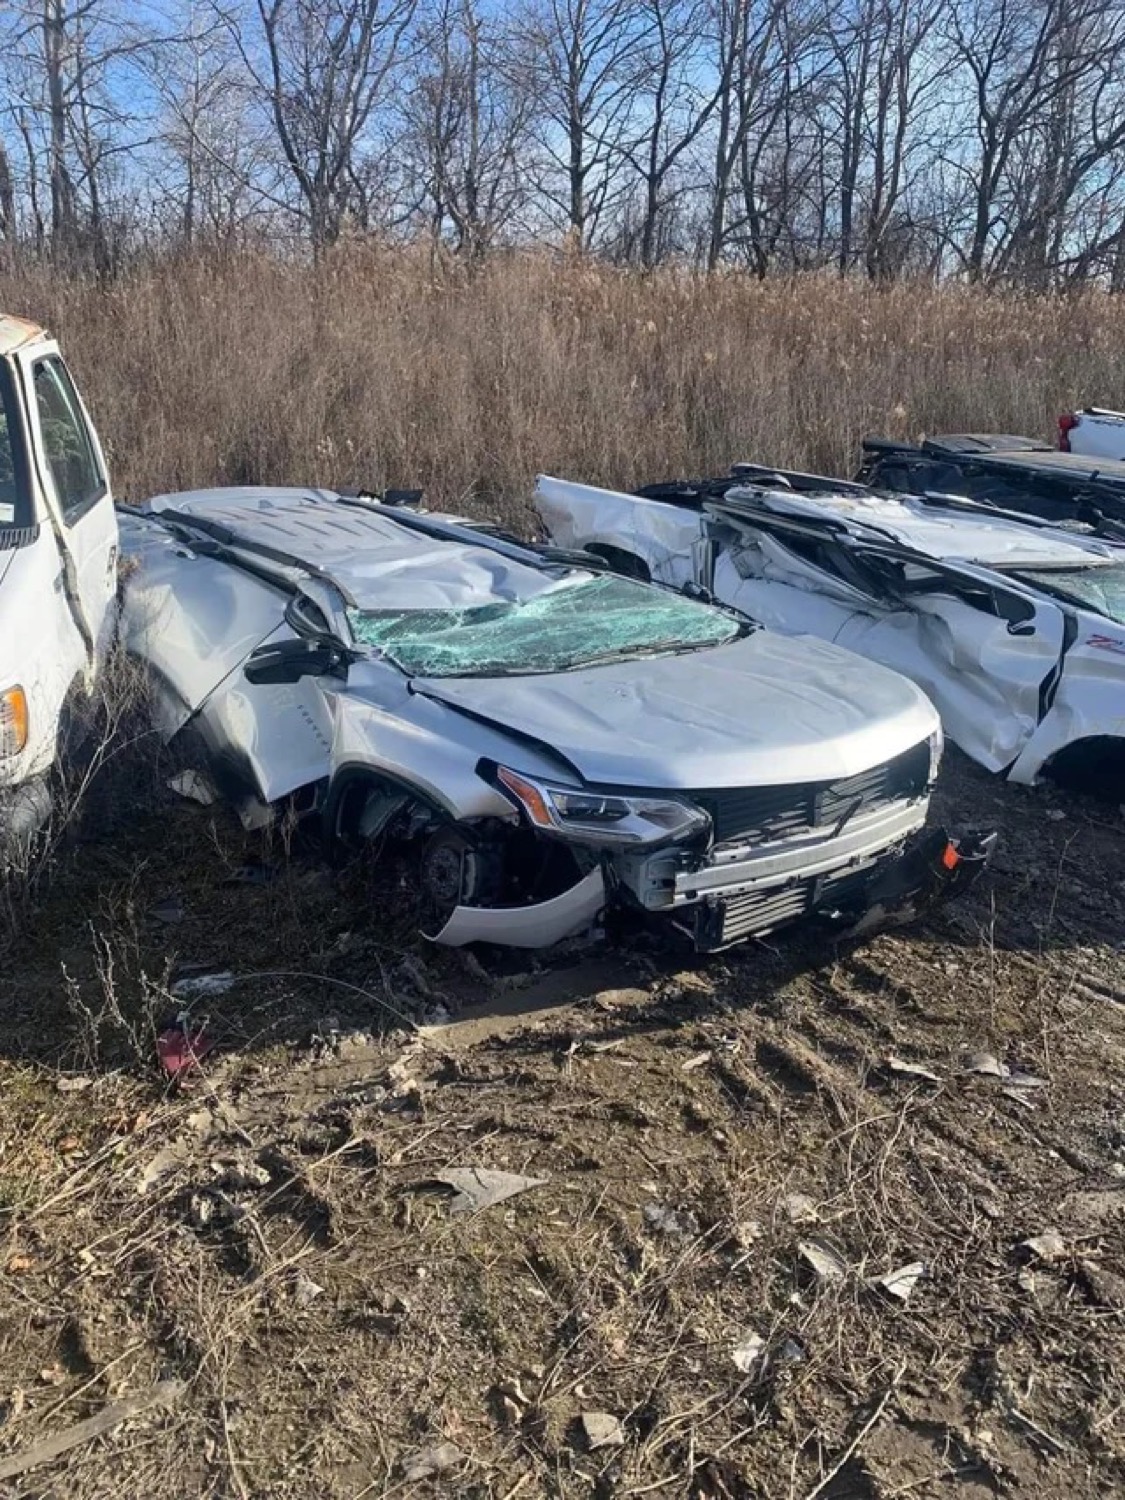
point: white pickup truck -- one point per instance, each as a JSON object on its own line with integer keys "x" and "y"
{"x": 1093, "y": 432}
{"x": 58, "y": 571}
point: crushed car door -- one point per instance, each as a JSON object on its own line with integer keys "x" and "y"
{"x": 73, "y": 477}
{"x": 989, "y": 656}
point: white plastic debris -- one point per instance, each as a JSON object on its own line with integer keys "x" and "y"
{"x": 986, "y": 1064}
{"x": 749, "y": 1353}
{"x": 480, "y": 1187}
{"x": 602, "y": 1430}
{"x": 1049, "y": 1245}
{"x": 306, "y": 1290}
{"x": 901, "y": 1283}
{"x": 827, "y": 1262}
{"x": 429, "y": 1461}
{"x": 911, "y": 1070}
{"x": 194, "y": 786}
{"x": 667, "y": 1220}
{"x": 1020, "y": 1096}
{"x": 203, "y": 986}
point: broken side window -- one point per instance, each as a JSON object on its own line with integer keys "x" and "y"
{"x": 579, "y": 622}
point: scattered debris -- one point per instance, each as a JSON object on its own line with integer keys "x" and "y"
{"x": 799, "y": 1208}
{"x": 827, "y": 1262}
{"x": 665, "y": 1220}
{"x": 749, "y": 1353}
{"x": 1020, "y": 1096}
{"x": 194, "y": 787}
{"x": 602, "y": 1430}
{"x": 1022, "y": 1087}
{"x": 207, "y": 1207}
{"x": 478, "y": 1188}
{"x": 203, "y": 986}
{"x": 911, "y": 1070}
{"x": 242, "y": 1176}
{"x": 1018, "y": 1079}
{"x": 901, "y": 1283}
{"x": 1047, "y": 1246}
{"x": 429, "y": 1461}
{"x": 986, "y": 1064}
{"x": 165, "y": 1393}
{"x": 306, "y": 1290}
{"x": 698, "y": 1061}
{"x": 182, "y": 1046}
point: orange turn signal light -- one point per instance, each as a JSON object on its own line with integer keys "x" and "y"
{"x": 528, "y": 795}
{"x": 950, "y": 857}
{"x": 14, "y": 721}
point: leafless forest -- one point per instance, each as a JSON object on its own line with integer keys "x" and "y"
{"x": 980, "y": 139}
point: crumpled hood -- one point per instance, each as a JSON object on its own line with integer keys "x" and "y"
{"x": 766, "y": 710}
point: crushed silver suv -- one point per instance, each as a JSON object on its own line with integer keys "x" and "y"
{"x": 557, "y": 743}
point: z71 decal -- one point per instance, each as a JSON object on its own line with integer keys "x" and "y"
{"x": 1107, "y": 643}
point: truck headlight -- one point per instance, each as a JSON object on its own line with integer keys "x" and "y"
{"x": 598, "y": 818}
{"x": 937, "y": 748}
{"x": 14, "y": 722}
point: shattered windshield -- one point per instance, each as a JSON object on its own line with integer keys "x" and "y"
{"x": 576, "y": 623}
{"x": 1100, "y": 589}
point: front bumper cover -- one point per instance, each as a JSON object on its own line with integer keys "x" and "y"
{"x": 934, "y": 866}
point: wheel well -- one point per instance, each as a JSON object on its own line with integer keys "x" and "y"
{"x": 628, "y": 564}
{"x": 350, "y": 799}
{"x": 1095, "y": 766}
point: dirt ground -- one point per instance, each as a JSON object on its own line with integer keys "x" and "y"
{"x": 265, "y": 1269}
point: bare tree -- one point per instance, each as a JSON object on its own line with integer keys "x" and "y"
{"x": 673, "y": 103}
{"x": 323, "y": 69}
{"x": 468, "y": 112}
{"x": 583, "y": 61}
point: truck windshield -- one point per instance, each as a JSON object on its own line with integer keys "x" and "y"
{"x": 580, "y": 622}
{"x": 15, "y": 509}
{"x": 1100, "y": 589}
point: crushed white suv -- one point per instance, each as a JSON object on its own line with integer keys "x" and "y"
{"x": 546, "y": 743}
{"x": 1015, "y": 629}
{"x": 58, "y": 571}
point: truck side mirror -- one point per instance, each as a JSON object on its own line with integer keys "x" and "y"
{"x": 289, "y": 661}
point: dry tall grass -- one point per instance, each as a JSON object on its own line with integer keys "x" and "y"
{"x": 375, "y": 368}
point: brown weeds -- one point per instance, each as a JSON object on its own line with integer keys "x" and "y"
{"x": 374, "y": 367}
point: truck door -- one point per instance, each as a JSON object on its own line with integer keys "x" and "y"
{"x": 73, "y": 475}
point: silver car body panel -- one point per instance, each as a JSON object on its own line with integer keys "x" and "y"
{"x": 762, "y": 711}
{"x": 1011, "y": 699}
{"x": 538, "y": 926}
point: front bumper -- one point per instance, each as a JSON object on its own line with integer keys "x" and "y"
{"x": 934, "y": 866}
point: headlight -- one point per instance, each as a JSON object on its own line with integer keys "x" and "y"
{"x": 595, "y": 818}
{"x": 937, "y": 747}
{"x": 13, "y": 722}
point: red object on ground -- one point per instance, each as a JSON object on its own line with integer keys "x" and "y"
{"x": 182, "y": 1047}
